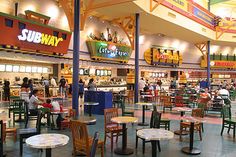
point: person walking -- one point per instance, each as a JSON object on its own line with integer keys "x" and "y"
{"x": 54, "y": 86}
{"x": 46, "y": 87}
{"x": 6, "y": 90}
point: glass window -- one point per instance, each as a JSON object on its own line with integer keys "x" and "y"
{"x": 21, "y": 25}
{"x": 40, "y": 69}
{"x": 2, "y": 67}
{"x": 28, "y": 69}
{"x": 64, "y": 36}
{"x": 55, "y": 33}
{"x": 45, "y": 70}
{"x": 34, "y": 69}
{"x": 9, "y": 68}
{"x": 8, "y": 23}
{"x": 16, "y": 68}
{"x": 22, "y": 68}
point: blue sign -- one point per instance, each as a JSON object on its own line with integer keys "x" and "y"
{"x": 203, "y": 16}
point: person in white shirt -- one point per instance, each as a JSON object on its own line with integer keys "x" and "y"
{"x": 223, "y": 92}
{"x": 54, "y": 85}
{"x": 141, "y": 84}
{"x": 34, "y": 102}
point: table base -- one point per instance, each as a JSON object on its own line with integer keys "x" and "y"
{"x": 194, "y": 151}
{"x": 48, "y": 152}
{"x": 143, "y": 124}
{"x": 126, "y": 151}
{"x": 177, "y": 132}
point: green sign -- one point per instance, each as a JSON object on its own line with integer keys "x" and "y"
{"x": 102, "y": 50}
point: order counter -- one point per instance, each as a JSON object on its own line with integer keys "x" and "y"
{"x": 102, "y": 97}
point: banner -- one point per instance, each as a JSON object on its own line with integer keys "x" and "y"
{"x": 203, "y": 16}
{"x": 102, "y": 50}
{"x": 182, "y": 4}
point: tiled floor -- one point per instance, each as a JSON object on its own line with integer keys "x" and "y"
{"x": 213, "y": 145}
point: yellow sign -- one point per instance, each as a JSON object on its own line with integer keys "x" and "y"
{"x": 182, "y": 4}
{"x": 157, "y": 56}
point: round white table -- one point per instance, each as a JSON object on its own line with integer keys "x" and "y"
{"x": 124, "y": 120}
{"x": 144, "y": 104}
{"x": 47, "y": 141}
{"x": 90, "y": 104}
{"x": 155, "y": 135}
{"x": 182, "y": 111}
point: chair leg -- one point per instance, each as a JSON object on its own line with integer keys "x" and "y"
{"x": 143, "y": 146}
{"x": 202, "y": 127}
{"x": 136, "y": 146}
{"x": 159, "y": 146}
{"x": 168, "y": 125}
{"x": 102, "y": 150}
{"x": 111, "y": 142}
{"x": 229, "y": 128}
{"x": 223, "y": 126}
{"x": 15, "y": 136}
{"x": 117, "y": 136}
{"x": 180, "y": 135}
{"x": 21, "y": 146}
{"x": 105, "y": 137}
{"x": 234, "y": 131}
{"x": 200, "y": 133}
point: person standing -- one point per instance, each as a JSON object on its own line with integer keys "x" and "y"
{"x": 141, "y": 85}
{"x": 31, "y": 87}
{"x": 91, "y": 85}
{"x": 62, "y": 86}
{"x": 54, "y": 86}
{"x": 81, "y": 88}
{"x": 46, "y": 87}
{"x": 6, "y": 90}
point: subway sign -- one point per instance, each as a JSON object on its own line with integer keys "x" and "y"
{"x": 100, "y": 50}
{"x": 39, "y": 38}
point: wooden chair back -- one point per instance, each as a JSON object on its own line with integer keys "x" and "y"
{"x": 198, "y": 112}
{"x": 109, "y": 113}
{"x": 72, "y": 113}
{"x": 80, "y": 137}
{"x": 94, "y": 144}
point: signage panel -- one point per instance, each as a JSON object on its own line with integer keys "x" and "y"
{"x": 203, "y": 16}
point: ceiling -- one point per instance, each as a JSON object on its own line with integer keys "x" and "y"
{"x": 226, "y": 8}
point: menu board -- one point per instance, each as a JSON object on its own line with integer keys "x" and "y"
{"x": 2, "y": 67}
{"x": 103, "y": 72}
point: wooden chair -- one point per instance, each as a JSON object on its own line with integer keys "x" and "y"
{"x": 228, "y": 121}
{"x": 94, "y": 145}
{"x": 7, "y": 131}
{"x": 179, "y": 101}
{"x": 28, "y": 132}
{"x": 82, "y": 143}
{"x": 111, "y": 129}
{"x": 154, "y": 123}
{"x": 66, "y": 122}
{"x": 198, "y": 112}
{"x": 167, "y": 103}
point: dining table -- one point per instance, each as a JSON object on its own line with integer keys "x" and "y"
{"x": 90, "y": 105}
{"x": 144, "y": 105}
{"x": 182, "y": 111}
{"x": 154, "y": 135}
{"x": 124, "y": 150}
{"x": 191, "y": 150}
{"x": 47, "y": 142}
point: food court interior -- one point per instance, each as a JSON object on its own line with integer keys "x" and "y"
{"x": 117, "y": 78}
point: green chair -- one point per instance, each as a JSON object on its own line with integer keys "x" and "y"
{"x": 126, "y": 112}
{"x": 18, "y": 108}
{"x": 165, "y": 122}
{"x": 228, "y": 121}
{"x": 11, "y": 104}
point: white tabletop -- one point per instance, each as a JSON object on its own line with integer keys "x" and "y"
{"x": 155, "y": 134}
{"x": 124, "y": 120}
{"x": 91, "y": 103}
{"x": 144, "y": 104}
{"x": 64, "y": 111}
{"x": 182, "y": 109}
{"x": 44, "y": 141}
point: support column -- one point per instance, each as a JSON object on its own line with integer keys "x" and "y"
{"x": 137, "y": 22}
{"x": 209, "y": 5}
{"x": 208, "y": 64}
{"x": 76, "y": 49}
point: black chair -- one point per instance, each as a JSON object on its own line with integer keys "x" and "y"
{"x": 28, "y": 132}
{"x": 94, "y": 144}
{"x": 11, "y": 104}
{"x": 28, "y": 115}
{"x": 154, "y": 123}
{"x": 1, "y": 141}
{"x": 228, "y": 121}
{"x": 18, "y": 108}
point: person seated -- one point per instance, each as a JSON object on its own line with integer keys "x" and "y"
{"x": 223, "y": 92}
{"x": 205, "y": 94}
{"x": 47, "y": 104}
{"x": 57, "y": 107}
{"x": 34, "y": 102}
